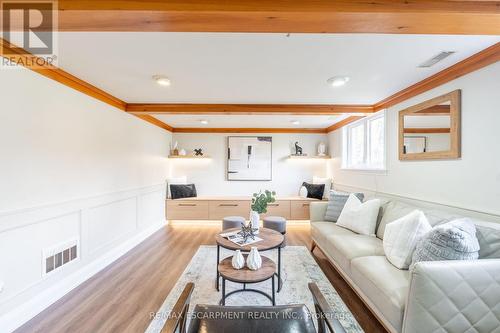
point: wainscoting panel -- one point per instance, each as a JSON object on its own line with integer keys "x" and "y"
{"x": 108, "y": 223}
{"x": 148, "y": 208}
{"x": 105, "y": 226}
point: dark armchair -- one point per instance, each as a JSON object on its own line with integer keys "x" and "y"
{"x": 252, "y": 319}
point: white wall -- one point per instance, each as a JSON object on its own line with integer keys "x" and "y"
{"x": 209, "y": 176}
{"x": 472, "y": 182}
{"x": 71, "y": 167}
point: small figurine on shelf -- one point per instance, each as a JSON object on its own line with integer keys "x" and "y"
{"x": 198, "y": 152}
{"x": 298, "y": 149}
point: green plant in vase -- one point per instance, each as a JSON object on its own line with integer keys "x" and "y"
{"x": 259, "y": 206}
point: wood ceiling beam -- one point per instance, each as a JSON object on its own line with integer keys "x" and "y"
{"x": 248, "y": 109}
{"x": 477, "y": 61}
{"x": 343, "y": 123}
{"x": 26, "y": 59}
{"x": 282, "y": 16}
{"x": 249, "y": 130}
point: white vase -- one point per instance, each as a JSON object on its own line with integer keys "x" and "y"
{"x": 254, "y": 261}
{"x": 182, "y": 152}
{"x": 238, "y": 261}
{"x": 321, "y": 149}
{"x": 303, "y": 192}
{"x": 254, "y": 220}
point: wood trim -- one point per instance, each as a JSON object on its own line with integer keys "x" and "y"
{"x": 248, "y": 109}
{"x": 154, "y": 121}
{"x": 299, "y": 16}
{"x": 454, "y": 98}
{"x": 427, "y": 130}
{"x": 26, "y": 59}
{"x": 249, "y": 130}
{"x": 479, "y": 60}
{"x": 343, "y": 123}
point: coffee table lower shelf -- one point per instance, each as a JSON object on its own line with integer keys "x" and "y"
{"x": 246, "y": 276}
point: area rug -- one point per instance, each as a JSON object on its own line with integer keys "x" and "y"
{"x": 298, "y": 269}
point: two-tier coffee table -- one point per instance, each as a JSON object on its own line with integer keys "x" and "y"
{"x": 270, "y": 240}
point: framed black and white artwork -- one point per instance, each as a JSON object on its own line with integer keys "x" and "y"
{"x": 249, "y": 158}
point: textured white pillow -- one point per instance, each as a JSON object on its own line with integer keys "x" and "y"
{"x": 360, "y": 217}
{"x": 175, "y": 181}
{"x": 327, "y": 182}
{"x": 401, "y": 237}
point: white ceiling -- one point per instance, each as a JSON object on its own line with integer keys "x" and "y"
{"x": 249, "y": 121}
{"x": 257, "y": 68}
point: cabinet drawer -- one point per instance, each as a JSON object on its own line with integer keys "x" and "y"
{"x": 278, "y": 208}
{"x": 300, "y": 210}
{"x": 187, "y": 210}
{"x": 220, "y": 209}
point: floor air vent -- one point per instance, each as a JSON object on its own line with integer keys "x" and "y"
{"x": 60, "y": 255}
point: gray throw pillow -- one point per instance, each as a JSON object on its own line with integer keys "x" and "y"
{"x": 336, "y": 203}
{"x": 455, "y": 240}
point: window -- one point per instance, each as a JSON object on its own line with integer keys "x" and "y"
{"x": 364, "y": 144}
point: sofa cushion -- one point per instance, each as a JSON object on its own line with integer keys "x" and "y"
{"x": 360, "y": 217}
{"x": 401, "y": 237}
{"x": 385, "y": 286}
{"x": 455, "y": 240}
{"x": 336, "y": 203}
{"x": 488, "y": 235}
{"x": 394, "y": 210}
{"x": 321, "y": 230}
{"x": 343, "y": 248}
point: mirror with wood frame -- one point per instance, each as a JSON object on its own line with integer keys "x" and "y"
{"x": 431, "y": 130}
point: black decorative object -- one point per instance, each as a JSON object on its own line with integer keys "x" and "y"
{"x": 298, "y": 149}
{"x": 179, "y": 191}
{"x": 314, "y": 191}
{"x": 247, "y": 232}
{"x": 198, "y": 152}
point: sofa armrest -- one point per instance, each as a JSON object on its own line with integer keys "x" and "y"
{"x": 317, "y": 211}
{"x": 453, "y": 296}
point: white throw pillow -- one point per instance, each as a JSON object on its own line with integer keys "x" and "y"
{"x": 327, "y": 182}
{"x": 360, "y": 217}
{"x": 401, "y": 237}
{"x": 175, "y": 181}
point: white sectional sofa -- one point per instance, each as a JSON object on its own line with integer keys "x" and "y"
{"x": 440, "y": 296}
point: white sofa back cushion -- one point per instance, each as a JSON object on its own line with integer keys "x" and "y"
{"x": 488, "y": 235}
{"x": 401, "y": 237}
{"x": 327, "y": 182}
{"x": 360, "y": 217}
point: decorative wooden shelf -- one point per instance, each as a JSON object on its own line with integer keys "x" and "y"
{"x": 325, "y": 157}
{"x": 188, "y": 156}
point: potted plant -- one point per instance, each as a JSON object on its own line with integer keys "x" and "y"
{"x": 259, "y": 206}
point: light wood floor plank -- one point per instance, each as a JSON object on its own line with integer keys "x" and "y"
{"x": 121, "y": 297}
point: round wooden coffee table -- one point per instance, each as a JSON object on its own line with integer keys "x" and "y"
{"x": 270, "y": 240}
{"x": 247, "y": 276}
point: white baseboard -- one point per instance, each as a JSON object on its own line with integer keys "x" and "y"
{"x": 20, "y": 315}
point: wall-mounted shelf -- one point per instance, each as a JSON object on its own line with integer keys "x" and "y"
{"x": 188, "y": 156}
{"x": 305, "y": 157}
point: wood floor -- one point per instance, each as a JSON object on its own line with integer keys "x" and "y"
{"x": 121, "y": 297}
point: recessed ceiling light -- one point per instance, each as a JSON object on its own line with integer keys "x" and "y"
{"x": 338, "y": 81}
{"x": 295, "y": 122}
{"x": 161, "y": 80}
{"x": 204, "y": 122}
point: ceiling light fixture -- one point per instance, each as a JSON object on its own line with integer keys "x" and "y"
{"x": 295, "y": 122}
{"x": 338, "y": 81}
{"x": 204, "y": 122}
{"x": 161, "y": 80}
